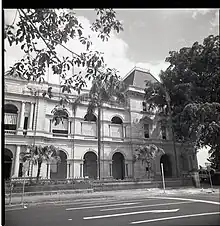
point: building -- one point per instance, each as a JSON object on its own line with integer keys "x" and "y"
{"x": 28, "y": 120}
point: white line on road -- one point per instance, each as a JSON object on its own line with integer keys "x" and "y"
{"x": 130, "y": 213}
{"x": 21, "y": 208}
{"x": 192, "y": 200}
{"x": 175, "y": 217}
{"x": 92, "y": 207}
{"x": 101, "y": 201}
{"x": 132, "y": 207}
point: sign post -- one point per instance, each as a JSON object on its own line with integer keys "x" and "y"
{"x": 163, "y": 177}
{"x": 24, "y": 172}
{"x": 208, "y": 165}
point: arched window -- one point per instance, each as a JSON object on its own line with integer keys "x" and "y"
{"x": 90, "y": 118}
{"x": 116, "y": 128}
{"x": 11, "y": 115}
{"x": 60, "y": 129}
{"x": 116, "y": 120}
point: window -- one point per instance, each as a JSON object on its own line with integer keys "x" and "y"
{"x": 144, "y": 105}
{"x": 163, "y": 132}
{"x": 90, "y": 117}
{"x": 116, "y": 120}
{"x": 61, "y": 129}
{"x": 25, "y": 125}
{"x": 146, "y": 131}
{"x": 10, "y": 119}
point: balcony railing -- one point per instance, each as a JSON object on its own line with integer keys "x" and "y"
{"x": 88, "y": 129}
{"x": 10, "y": 132}
{"x": 116, "y": 131}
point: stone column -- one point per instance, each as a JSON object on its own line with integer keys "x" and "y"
{"x": 17, "y": 160}
{"x": 22, "y": 116}
{"x": 30, "y": 122}
{"x": 48, "y": 170}
{"x": 68, "y": 173}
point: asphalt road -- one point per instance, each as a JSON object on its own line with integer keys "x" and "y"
{"x": 150, "y": 211}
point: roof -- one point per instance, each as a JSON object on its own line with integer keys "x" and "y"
{"x": 137, "y": 77}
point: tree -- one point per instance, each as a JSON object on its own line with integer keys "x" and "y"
{"x": 53, "y": 28}
{"x": 147, "y": 154}
{"x": 193, "y": 83}
{"x": 38, "y": 154}
{"x": 102, "y": 91}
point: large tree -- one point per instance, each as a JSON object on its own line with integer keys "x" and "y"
{"x": 192, "y": 82}
{"x": 54, "y": 28}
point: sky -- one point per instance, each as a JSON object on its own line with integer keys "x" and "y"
{"x": 147, "y": 38}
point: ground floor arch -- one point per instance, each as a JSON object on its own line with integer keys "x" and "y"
{"x": 118, "y": 166}
{"x": 8, "y": 156}
{"x": 90, "y": 165}
{"x": 58, "y": 169}
{"x": 167, "y": 165}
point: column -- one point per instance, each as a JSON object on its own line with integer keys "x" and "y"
{"x": 31, "y": 117}
{"x": 22, "y": 115}
{"x": 68, "y": 173}
{"x": 81, "y": 170}
{"x": 16, "y": 163}
{"x": 48, "y": 170}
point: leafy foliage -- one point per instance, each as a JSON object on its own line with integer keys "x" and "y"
{"x": 192, "y": 82}
{"x": 147, "y": 154}
{"x": 55, "y": 27}
{"x": 38, "y": 154}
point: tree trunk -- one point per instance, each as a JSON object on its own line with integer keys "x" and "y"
{"x": 99, "y": 141}
{"x": 38, "y": 171}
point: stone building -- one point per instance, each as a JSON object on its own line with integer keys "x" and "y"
{"x": 28, "y": 120}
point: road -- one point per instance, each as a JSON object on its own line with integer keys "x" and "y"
{"x": 152, "y": 211}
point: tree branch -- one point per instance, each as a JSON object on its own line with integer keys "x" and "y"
{"x": 40, "y": 35}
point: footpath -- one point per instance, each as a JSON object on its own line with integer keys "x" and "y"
{"x": 42, "y": 198}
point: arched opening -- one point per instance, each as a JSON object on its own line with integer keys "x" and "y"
{"x": 58, "y": 169}
{"x": 118, "y": 166}
{"x": 116, "y": 120}
{"x": 90, "y": 165}
{"x": 7, "y": 163}
{"x": 167, "y": 166}
{"x": 60, "y": 129}
{"x": 90, "y": 118}
{"x": 10, "y": 117}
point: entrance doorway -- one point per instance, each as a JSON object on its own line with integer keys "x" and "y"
{"x": 118, "y": 171}
{"x": 167, "y": 166}
{"x": 7, "y": 163}
{"x": 58, "y": 170}
{"x": 90, "y": 165}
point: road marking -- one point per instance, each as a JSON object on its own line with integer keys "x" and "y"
{"x": 130, "y": 213}
{"x": 92, "y": 207}
{"x": 184, "y": 199}
{"x": 132, "y": 207}
{"x": 175, "y": 217}
{"x": 21, "y": 208}
{"x": 70, "y": 219}
{"x": 101, "y": 201}
{"x": 60, "y": 203}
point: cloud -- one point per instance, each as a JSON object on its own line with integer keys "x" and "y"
{"x": 215, "y": 20}
{"x": 200, "y": 12}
